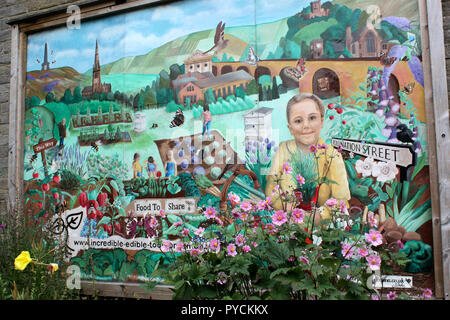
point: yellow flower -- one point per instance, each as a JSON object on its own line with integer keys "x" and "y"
{"x": 52, "y": 267}
{"x": 22, "y": 260}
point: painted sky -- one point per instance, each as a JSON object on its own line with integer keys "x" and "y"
{"x": 139, "y": 32}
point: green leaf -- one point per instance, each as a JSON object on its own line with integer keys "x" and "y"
{"x": 205, "y": 291}
{"x": 421, "y": 162}
{"x": 104, "y": 220}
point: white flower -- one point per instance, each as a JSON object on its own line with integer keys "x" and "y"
{"x": 316, "y": 240}
{"x": 385, "y": 171}
{"x": 365, "y": 167}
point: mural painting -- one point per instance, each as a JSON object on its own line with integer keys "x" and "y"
{"x": 138, "y": 124}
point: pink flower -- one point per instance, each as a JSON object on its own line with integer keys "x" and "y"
{"x": 287, "y": 168}
{"x": 304, "y": 259}
{"x": 374, "y": 297}
{"x": 374, "y": 237}
{"x": 179, "y": 247}
{"x": 166, "y": 245}
{"x": 199, "y": 231}
{"x": 254, "y": 244}
{"x": 153, "y": 222}
{"x": 246, "y": 206}
{"x": 177, "y": 224}
{"x": 240, "y": 240}
{"x": 372, "y": 222}
{"x": 195, "y": 252}
{"x": 391, "y": 295}
{"x": 427, "y": 293}
{"x": 298, "y": 215}
{"x": 270, "y": 227}
{"x": 162, "y": 214}
{"x": 322, "y": 146}
{"x": 234, "y": 198}
{"x": 374, "y": 262}
{"x": 185, "y": 232}
{"x": 347, "y": 250}
{"x": 400, "y": 244}
{"x": 300, "y": 180}
{"x": 221, "y": 277}
{"x": 313, "y": 149}
{"x": 231, "y": 250}
{"x": 210, "y": 212}
{"x": 279, "y": 218}
{"x": 243, "y": 216}
{"x": 265, "y": 204}
{"x": 275, "y": 189}
{"x": 343, "y": 207}
{"x": 246, "y": 248}
{"x": 363, "y": 252}
{"x": 331, "y": 202}
{"x": 214, "y": 245}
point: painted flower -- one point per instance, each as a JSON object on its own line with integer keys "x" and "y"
{"x": 45, "y": 187}
{"x": 279, "y": 218}
{"x": 400, "y": 244}
{"x": 246, "y": 206}
{"x": 153, "y": 222}
{"x": 385, "y": 171}
{"x": 300, "y": 179}
{"x": 199, "y": 231}
{"x": 287, "y": 168}
{"x": 372, "y": 221}
{"x": 427, "y": 293}
{"x": 298, "y": 215}
{"x": 246, "y": 248}
{"x": 304, "y": 259}
{"x": 391, "y": 295}
{"x": 177, "y": 224}
{"x": 22, "y": 260}
{"x": 162, "y": 213}
{"x": 234, "y": 198}
{"x": 343, "y": 207}
{"x": 239, "y": 240}
{"x": 231, "y": 250}
{"x": 365, "y": 167}
{"x": 179, "y": 247}
{"x": 374, "y": 262}
{"x": 214, "y": 245}
{"x": 374, "y": 237}
{"x": 210, "y": 212}
{"x": 322, "y": 147}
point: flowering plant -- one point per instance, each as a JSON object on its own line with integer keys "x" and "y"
{"x": 275, "y": 254}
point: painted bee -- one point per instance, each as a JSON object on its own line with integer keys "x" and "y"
{"x": 61, "y": 205}
{"x": 33, "y": 158}
{"x": 96, "y": 144}
{"x": 408, "y": 89}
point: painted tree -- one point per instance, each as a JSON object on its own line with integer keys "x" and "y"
{"x": 275, "y": 93}
{"x": 77, "y": 97}
{"x": 209, "y": 96}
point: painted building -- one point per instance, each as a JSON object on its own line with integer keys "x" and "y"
{"x": 97, "y": 85}
{"x": 198, "y": 62}
{"x": 317, "y": 10}
{"x": 366, "y": 42}
{"x": 258, "y": 123}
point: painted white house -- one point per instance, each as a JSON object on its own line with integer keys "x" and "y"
{"x": 258, "y": 123}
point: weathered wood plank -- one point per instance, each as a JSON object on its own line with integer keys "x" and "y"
{"x": 125, "y": 290}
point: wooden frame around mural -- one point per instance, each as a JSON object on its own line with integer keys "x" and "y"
{"x": 436, "y": 100}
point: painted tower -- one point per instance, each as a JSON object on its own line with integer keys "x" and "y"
{"x": 45, "y": 64}
{"x": 96, "y": 75}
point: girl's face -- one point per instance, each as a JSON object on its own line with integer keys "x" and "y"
{"x": 305, "y": 122}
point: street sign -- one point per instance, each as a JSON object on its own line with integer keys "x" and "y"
{"x": 41, "y": 147}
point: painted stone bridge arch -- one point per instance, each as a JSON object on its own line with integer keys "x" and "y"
{"x": 346, "y": 75}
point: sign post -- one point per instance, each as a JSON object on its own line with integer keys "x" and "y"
{"x": 41, "y": 147}
{"x": 401, "y": 155}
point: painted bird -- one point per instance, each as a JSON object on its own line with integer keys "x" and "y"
{"x": 404, "y": 134}
{"x": 219, "y": 42}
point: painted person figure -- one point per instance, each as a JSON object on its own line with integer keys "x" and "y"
{"x": 151, "y": 166}
{"x": 170, "y": 164}
{"x": 137, "y": 168}
{"x": 305, "y": 115}
{"x": 62, "y": 132}
{"x": 206, "y": 117}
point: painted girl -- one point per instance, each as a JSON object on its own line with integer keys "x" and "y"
{"x": 206, "y": 117}
{"x": 151, "y": 166}
{"x": 137, "y": 168}
{"x": 170, "y": 164}
{"x": 305, "y": 115}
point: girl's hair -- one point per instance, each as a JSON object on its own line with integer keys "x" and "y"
{"x": 136, "y": 155}
{"x": 304, "y": 96}
{"x": 150, "y": 159}
{"x": 205, "y": 107}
